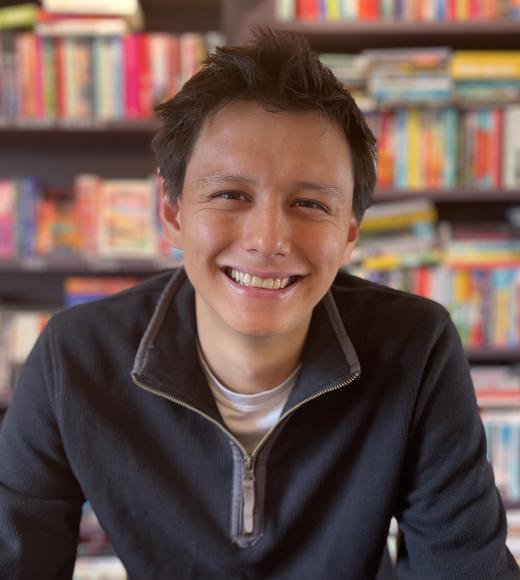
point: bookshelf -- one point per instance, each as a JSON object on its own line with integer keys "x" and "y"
{"x": 121, "y": 149}
{"x": 55, "y": 151}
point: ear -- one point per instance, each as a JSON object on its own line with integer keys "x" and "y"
{"x": 170, "y": 216}
{"x": 352, "y": 237}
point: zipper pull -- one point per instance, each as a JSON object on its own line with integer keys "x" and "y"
{"x": 248, "y": 506}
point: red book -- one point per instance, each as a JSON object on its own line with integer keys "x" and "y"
{"x": 481, "y": 150}
{"x": 368, "y": 9}
{"x": 450, "y": 9}
{"x": 422, "y": 281}
{"x": 130, "y": 76}
{"x": 495, "y": 147}
{"x": 144, "y": 77}
{"x": 307, "y": 9}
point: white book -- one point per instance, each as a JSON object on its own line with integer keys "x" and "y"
{"x": 511, "y": 157}
{"x": 116, "y": 7}
{"x": 285, "y": 10}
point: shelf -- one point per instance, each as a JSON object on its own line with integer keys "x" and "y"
{"x": 355, "y": 36}
{"x": 493, "y": 355}
{"x": 449, "y": 195}
{"x": 141, "y": 127}
{"x": 75, "y": 266}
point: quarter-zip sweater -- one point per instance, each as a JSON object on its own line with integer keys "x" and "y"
{"x": 113, "y": 406}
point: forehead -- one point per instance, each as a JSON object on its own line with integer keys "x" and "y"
{"x": 244, "y": 137}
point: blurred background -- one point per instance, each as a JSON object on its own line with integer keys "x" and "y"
{"x": 439, "y": 82}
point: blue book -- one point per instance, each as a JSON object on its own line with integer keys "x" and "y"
{"x": 117, "y": 68}
{"x": 29, "y": 194}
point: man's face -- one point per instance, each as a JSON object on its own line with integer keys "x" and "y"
{"x": 264, "y": 219}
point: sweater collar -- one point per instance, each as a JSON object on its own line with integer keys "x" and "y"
{"x": 167, "y": 361}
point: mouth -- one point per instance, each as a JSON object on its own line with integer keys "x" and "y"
{"x": 254, "y": 281}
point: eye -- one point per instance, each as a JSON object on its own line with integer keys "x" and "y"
{"x": 230, "y": 195}
{"x": 311, "y": 204}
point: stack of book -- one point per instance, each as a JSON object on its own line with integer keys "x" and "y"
{"x": 486, "y": 76}
{"x": 395, "y": 235}
{"x": 401, "y": 75}
{"x": 497, "y": 385}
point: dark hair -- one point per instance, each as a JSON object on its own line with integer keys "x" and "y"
{"x": 280, "y": 72}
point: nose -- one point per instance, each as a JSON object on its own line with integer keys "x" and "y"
{"x": 267, "y": 230}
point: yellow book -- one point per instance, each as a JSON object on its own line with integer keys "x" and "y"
{"x": 485, "y": 64}
{"x": 332, "y": 10}
{"x": 397, "y": 221}
{"x": 461, "y": 9}
{"x": 461, "y": 285}
{"x": 413, "y": 158}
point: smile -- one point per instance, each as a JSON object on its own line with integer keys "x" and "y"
{"x": 246, "y": 279}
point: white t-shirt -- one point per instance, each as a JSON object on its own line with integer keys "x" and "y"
{"x": 249, "y": 417}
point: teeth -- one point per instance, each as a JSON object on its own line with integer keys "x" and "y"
{"x": 246, "y": 279}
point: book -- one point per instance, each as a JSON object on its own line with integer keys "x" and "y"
{"x": 8, "y": 206}
{"x": 87, "y": 191}
{"x": 19, "y": 330}
{"x": 127, "y": 226}
{"x": 511, "y": 147}
{"x": 81, "y": 289}
{"x": 485, "y": 65}
{"x": 23, "y": 15}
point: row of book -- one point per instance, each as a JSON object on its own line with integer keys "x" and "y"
{"x": 98, "y": 219}
{"x": 446, "y": 148}
{"x": 484, "y": 303}
{"x": 82, "y": 79}
{"x": 415, "y": 10}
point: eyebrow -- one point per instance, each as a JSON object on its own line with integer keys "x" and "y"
{"x": 226, "y": 178}
{"x": 328, "y": 190}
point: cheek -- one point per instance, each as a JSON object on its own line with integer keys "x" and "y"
{"x": 327, "y": 248}
{"x": 206, "y": 232}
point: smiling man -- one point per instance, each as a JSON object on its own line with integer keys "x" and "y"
{"x": 255, "y": 414}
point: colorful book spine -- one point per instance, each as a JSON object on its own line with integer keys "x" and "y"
{"x": 8, "y": 213}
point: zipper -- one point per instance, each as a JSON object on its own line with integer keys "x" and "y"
{"x": 248, "y": 479}
{"x": 248, "y": 498}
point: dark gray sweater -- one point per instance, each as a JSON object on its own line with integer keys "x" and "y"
{"x": 113, "y": 406}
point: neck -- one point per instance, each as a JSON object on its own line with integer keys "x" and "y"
{"x": 248, "y": 364}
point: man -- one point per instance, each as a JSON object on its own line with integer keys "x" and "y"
{"x": 256, "y": 415}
